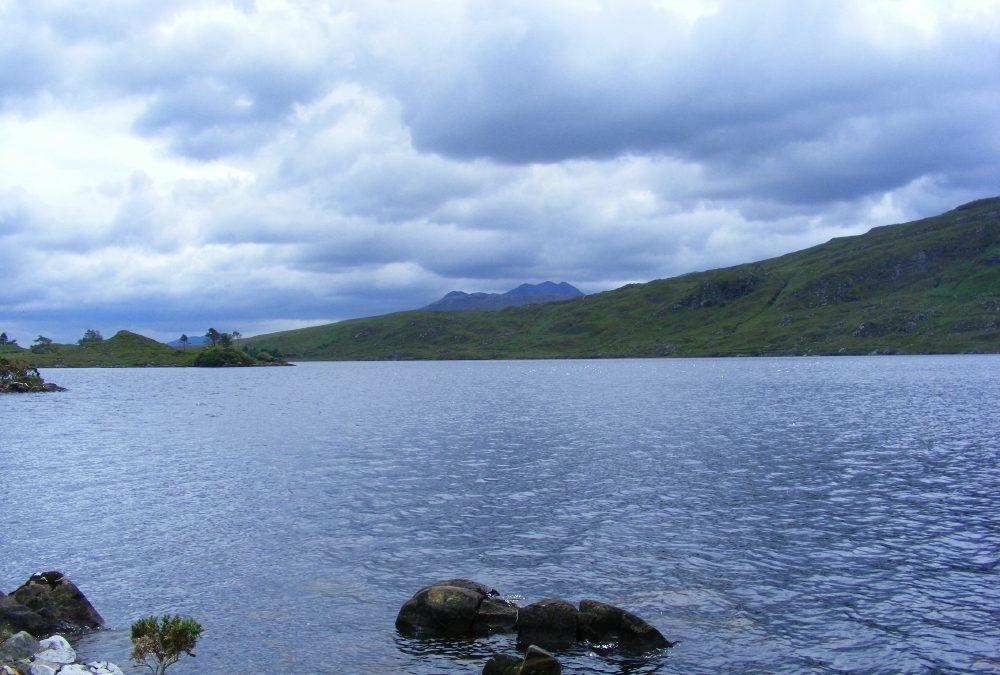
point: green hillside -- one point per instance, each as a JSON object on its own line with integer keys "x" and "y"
{"x": 123, "y": 349}
{"x": 930, "y": 286}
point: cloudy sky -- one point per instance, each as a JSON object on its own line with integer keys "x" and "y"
{"x": 167, "y": 167}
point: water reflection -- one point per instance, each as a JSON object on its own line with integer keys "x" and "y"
{"x": 431, "y": 653}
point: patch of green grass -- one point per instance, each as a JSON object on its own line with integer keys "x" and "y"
{"x": 124, "y": 349}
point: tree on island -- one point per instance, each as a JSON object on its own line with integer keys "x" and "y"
{"x": 4, "y": 340}
{"x": 222, "y": 353}
{"x": 42, "y": 344}
{"x": 213, "y": 336}
{"x": 184, "y": 341}
{"x": 157, "y": 643}
{"x": 90, "y": 336}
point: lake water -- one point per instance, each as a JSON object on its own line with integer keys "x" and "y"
{"x": 772, "y": 515}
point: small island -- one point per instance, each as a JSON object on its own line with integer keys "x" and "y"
{"x": 17, "y": 377}
{"x": 222, "y": 353}
{"x": 130, "y": 350}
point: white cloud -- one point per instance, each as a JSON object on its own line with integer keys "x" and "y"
{"x": 314, "y": 161}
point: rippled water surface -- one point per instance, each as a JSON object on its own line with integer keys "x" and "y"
{"x": 780, "y": 515}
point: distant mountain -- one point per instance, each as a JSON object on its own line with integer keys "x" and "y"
{"x": 193, "y": 340}
{"x": 525, "y": 294}
{"x": 930, "y": 286}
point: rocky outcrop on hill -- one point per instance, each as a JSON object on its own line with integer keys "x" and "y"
{"x": 464, "y": 609}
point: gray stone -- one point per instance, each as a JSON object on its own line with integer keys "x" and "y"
{"x": 495, "y": 615}
{"x": 18, "y": 646}
{"x": 598, "y": 622}
{"x": 75, "y": 669}
{"x": 549, "y": 623}
{"x": 55, "y": 650}
{"x": 537, "y": 661}
{"x": 445, "y": 609}
{"x": 602, "y": 624}
{"x": 639, "y": 636}
{"x": 58, "y": 601}
{"x": 18, "y": 617}
{"x": 103, "y": 668}
{"x": 502, "y": 664}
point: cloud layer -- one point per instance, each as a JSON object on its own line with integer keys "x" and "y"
{"x": 254, "y": 166}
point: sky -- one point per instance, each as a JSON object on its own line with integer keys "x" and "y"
{"x": 253, "y": 166}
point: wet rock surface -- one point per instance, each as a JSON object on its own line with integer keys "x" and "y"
{"x": 53, "y": 603}
{"x": 464, "y": 609}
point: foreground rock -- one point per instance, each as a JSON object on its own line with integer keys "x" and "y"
{"x": 463, "y": 609}
{"x": 48, "y": 603}
{"x": 58, "y": 602}
{"x": 21, "y": 654}
{"x": 536, "y": 661}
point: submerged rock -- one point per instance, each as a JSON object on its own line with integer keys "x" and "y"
{"x": 536, "y": 661}
{"x": 601, "y": 623}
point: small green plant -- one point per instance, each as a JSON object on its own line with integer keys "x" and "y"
{"x": 157, "y": 643}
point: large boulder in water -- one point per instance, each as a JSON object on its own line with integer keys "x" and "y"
{"x": 601, "y": 623}
{"x": 464, "y": 609}
{"x": 457, "y": 608}
{"x": 17, "y": 617}
{"x": 548, "y": 623}
{"x": 59, "y": 603}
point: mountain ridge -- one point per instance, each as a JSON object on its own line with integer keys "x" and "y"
{"x": 525, "y": 294}
{"x": 928, "y": 286}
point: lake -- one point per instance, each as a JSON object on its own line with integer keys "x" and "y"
{"x": 837, "y": 514}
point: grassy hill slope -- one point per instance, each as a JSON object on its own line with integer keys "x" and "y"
{"x": 123, "y": 349}
{"x": 930, "y": 286}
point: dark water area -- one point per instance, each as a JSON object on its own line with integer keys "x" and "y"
{"x": 801, "y": 515}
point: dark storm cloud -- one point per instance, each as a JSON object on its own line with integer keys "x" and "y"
{"x": 321, "y": 161}
{"x": 786, "y": 97}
